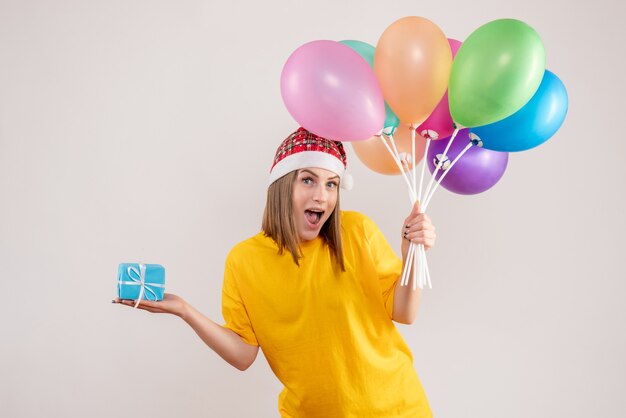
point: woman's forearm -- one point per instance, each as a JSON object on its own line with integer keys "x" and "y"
{"x": 226, "y": 343}
{"x": 406, "y": 301}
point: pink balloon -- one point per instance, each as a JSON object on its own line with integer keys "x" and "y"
{"x": 331, "y": 91}
{"x": 439, "y": 124}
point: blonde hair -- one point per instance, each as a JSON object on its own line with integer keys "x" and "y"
{"x": 278, "y": 221}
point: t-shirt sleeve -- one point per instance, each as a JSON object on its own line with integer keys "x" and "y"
{"x": 387, "y": 264}
{"x": 233, "y": 308}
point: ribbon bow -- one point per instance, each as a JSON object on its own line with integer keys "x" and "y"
{"x": 138, "y": 278}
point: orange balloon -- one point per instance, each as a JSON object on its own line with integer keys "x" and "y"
{"x": 412, "y": 63}
{"x": 373, "y": 153}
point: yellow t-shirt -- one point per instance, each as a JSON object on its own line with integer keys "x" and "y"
{"x": 327, "y": 335}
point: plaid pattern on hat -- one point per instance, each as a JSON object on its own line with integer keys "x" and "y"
{"x": 304, "y": 149}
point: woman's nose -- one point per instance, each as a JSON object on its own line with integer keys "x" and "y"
{"x": 320, "y": 194}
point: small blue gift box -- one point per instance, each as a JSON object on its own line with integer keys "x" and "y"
{"x": 140, "y": 281}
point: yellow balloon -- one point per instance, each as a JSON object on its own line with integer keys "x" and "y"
{"x": 373, "y": 153}
{"x": 412, "y": 63}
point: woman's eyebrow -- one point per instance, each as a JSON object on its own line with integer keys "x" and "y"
{"x": 310, "y": 172}
{"x": 316, "y": 176}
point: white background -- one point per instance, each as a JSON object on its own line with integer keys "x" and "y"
{"x": 144, "y": 131}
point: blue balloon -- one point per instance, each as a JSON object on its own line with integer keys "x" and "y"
{"x": 533, "y": 124}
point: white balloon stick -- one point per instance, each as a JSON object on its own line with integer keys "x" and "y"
{"x": 468, "y": 146}
{"x": 423, "y": 169}
{"x": 407, "y": 264}
{"x": 440, "y": 163}
{"x": 396, "y": 159}
{"x": 413, "y": 128}
{"x": 412, "y": 260}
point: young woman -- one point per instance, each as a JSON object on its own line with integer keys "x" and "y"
{"x": 318, "y": 290}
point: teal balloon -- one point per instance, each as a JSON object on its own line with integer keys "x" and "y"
{"x": 391, "y": 121}
{"x": 366, "y": 51}
{"x": 495, "y": 72}
{"x": 533, "y": 124}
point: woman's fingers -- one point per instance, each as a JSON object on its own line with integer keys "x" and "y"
{"x": 146, "y": 305}
{"x": 425, "y": 237}
{"x": 121, "y": 301}
{"x": 421, "y": 234}
{"x": 420, "y": 218}
{"x": 419, "y": 229}
{"x": 151, "y": 310}
{"x": 418, "y": 226}
{"x": 149, "y": 304}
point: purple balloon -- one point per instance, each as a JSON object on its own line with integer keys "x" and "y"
{"x": 476, "y": 171}
{"x": 331, "y": 91}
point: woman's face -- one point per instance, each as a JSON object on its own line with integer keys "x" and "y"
{"x": 314, "y": 199}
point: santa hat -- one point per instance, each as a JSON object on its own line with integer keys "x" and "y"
{"x": 304, "y": 149}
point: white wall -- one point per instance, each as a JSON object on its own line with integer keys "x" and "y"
{"x": 144, "y": 130}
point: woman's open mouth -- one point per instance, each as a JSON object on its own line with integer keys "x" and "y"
{"x": 313, "y": 216}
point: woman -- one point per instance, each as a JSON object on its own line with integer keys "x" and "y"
{"x": 318, "y": 289}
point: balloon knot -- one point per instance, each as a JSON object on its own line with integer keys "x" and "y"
{"x": 475, "y": 139}
{"x": 443, "y": 160}
{"x": 430, "y": 134}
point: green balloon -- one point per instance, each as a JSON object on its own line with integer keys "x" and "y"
{"x": 366, "y": 51}
{"x": 495, "y": 72}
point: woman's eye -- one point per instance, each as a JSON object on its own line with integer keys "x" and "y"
{"x": 307, "y": 180}
{"x": 332, "y": 184}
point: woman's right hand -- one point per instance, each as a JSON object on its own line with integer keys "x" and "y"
{"x": 171, "y": 304}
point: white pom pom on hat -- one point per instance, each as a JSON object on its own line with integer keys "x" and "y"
{"x": 304, "y": 149}
{"x": 347, "y": 182}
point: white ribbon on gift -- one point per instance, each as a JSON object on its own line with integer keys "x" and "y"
{"x": 139, "y": 280}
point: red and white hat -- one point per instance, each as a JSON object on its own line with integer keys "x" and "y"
{"x": 304, "y": 149}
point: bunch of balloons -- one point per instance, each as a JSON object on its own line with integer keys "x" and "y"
{"x": 463, "y": 105}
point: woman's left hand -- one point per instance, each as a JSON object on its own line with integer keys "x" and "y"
{"x": 418, "y": 229}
